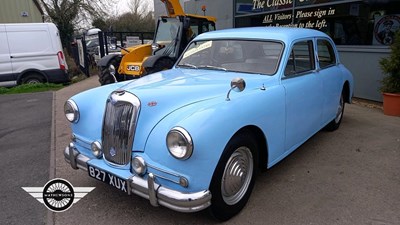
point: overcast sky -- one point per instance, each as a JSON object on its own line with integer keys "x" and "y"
{"x": 122, "y": 5}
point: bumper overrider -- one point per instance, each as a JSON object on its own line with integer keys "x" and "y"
{"x": 149, "y": 189}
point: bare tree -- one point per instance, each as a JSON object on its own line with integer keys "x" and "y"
{"x": 139, "y": 18}
{"x": 69, "y": 15}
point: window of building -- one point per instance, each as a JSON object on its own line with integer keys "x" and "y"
{"x": 347, "y": 22}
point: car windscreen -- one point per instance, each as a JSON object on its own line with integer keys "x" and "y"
{"x": 247, "y": 56}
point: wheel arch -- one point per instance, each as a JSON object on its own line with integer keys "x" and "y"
{"x": 346, "y": 91}
{"x": 26, "y": 73}
{"x": 152, "y": 60}
{"x": 104, "y": 61}
{"x": 262, "y": 144}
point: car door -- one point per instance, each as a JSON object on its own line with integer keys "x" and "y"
{"x": 303, "y": 89}
{"x": 329, "y": 72}
{"x": 6, "y": 73}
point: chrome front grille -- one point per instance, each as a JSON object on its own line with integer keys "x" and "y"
{"x": 119, "y": 125}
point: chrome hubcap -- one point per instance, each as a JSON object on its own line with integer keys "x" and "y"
{"x": 237, "y": 175}
{"x": 339, "y": 112}
{"x": 33, "y": 82}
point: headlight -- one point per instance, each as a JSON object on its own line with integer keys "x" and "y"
{"x": 179, "y": 143}
{"x": 111, "y": 69}
{"x": 71, "y": 111}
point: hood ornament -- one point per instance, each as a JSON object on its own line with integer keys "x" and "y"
{"x": 238, "y": 85}
{"x": 152, "y": 103}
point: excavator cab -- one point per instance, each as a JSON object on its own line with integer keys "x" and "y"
{"x": 172, "y": 35}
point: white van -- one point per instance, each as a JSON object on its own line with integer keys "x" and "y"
{"x": 31, "y": 53}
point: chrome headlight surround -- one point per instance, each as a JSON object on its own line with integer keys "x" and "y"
{"x": 71, "y": 111}
{"x": 179, "y": 143}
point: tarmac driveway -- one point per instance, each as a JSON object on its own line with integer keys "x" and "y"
{"x": 350, "y": 176}
{"x": 25, "y": 140}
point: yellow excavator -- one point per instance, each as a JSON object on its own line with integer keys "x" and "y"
{"x": 171, "y": 37}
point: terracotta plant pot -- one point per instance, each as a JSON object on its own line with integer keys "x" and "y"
{"x": 391, "y": 104}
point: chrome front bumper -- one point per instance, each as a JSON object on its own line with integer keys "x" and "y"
{"x": 149, "y": 189}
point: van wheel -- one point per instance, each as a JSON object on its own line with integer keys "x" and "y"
{"x": 234, "y": 177}
{"x": 33, "y": 78}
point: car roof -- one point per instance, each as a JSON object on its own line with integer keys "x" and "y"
{"x": 286, "y": 34}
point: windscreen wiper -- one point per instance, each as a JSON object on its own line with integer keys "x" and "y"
{"x": 187, "y": 65}
{"x": 212, "y": 67}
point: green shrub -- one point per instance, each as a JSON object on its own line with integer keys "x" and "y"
{"x": 391, "y": 68}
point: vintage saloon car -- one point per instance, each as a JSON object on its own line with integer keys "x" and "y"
{"x": 193, "y": 137}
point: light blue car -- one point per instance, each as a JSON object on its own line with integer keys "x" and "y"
{"x": 194, "y": 137}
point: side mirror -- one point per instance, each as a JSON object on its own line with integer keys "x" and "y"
{"x": 238, "y": 85}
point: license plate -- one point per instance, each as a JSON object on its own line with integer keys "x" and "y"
{"x": 108, "y": 178}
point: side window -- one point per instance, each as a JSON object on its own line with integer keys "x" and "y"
{"x": 326, "y": 54}
{"x": 301, "y": 58}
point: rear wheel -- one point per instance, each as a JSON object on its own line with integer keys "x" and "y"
{"x": 33, "y": 78}
{"x": 335, "y": 123}
{"x": 160, "y": 65}
{"x": 234, "y": 177}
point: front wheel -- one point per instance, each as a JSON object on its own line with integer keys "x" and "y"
{"x": 234, "y": 177}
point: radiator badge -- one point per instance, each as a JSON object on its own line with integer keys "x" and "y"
{"x": 113, "y": 152}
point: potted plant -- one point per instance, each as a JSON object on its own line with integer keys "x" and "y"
{"x": 391, "y": 82}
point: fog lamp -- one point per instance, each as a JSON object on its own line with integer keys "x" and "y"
{"x": 139, "y": 165}
{"x": 96, "y": 149}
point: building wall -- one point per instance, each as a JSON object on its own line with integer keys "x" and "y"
{"x": 363, "y": 62}
{"x": 361, "y": 58}
{"x": 19, "y": 11}
{"x": 222, "y": 10}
